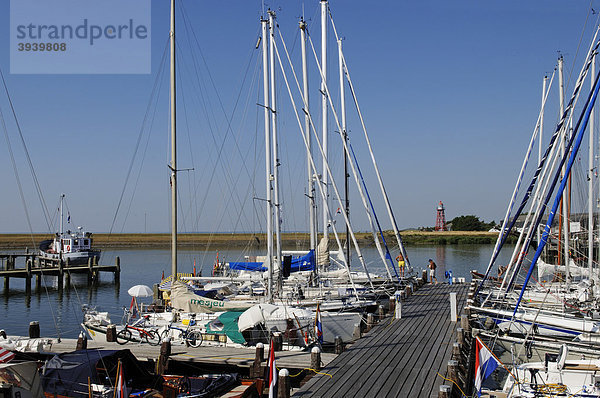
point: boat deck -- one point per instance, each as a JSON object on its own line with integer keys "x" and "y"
{"x": 397, "y": 358}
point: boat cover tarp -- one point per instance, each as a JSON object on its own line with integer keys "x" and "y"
{"x": 229, "y": 321}
{"x": 302, "y": 263}
{"x": 67, "y": 374}
{"x": 24, "y": 375}
{"x": 205, "y": 387}
{"x": 184, "y": 299}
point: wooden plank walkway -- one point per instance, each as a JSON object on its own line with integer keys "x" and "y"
{"x": 205, "y": 354}
{"x": 397, "y": 358}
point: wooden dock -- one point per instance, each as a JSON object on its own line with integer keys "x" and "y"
{"x": 203, "y": 355}
{"x": 397, "y": 358}
{"x": 34, "y": 266}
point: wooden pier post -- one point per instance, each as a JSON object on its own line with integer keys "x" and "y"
{"x": 28, "y": 263}
{"x": 61, "y": 272}
{"x": 464, "y": 323}
{"x": 163, "y": 358}
{"x": 283, "y": 384}
{"x": 424, "y": 276}
{"x": 456, "y": 351}
{"x": 339, "y": 345}
{"x": 111, "y": 334}
{"x": 445, "y": 391}
{"x": 315, "y": 358}
{"x": 38, "y": 281}
{"x": 6, "y": 284}
{"x": 117, "y": 274}
{"x": 81, "y": 342}
{"x": 380, "y": 313}
{"x": 34, "y": 329}
{"x": 453, "y": 372}
{"x": 370, "y": 321}
{"x": 256, "y": 368}
{"x": 90, "y": 271}
{"x": 277, "y": 341}
{"x": 460, "y": 335}
{"x": 392, "y": 304}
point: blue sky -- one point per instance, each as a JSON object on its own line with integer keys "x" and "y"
{"x": 450, "y": 92}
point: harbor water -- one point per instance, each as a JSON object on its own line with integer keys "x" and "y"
{"x": 60, "y": 313}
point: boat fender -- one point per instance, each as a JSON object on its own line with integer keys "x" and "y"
{"x": 562, "y": 357}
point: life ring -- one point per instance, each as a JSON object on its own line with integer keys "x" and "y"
{"x": 68, "y": 248}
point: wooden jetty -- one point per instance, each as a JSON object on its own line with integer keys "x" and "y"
{"x": 405, "y": 357}
{"x": 35, "y": 266}
{"x": 209, "y": 355}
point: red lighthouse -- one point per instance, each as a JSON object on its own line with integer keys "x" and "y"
{"x": 440, "y": 220}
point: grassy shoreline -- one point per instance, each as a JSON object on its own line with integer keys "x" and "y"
{"x": 290, "y": 240}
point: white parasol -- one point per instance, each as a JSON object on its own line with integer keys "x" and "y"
{"x": 140, "y": 291}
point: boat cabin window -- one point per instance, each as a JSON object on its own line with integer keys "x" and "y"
{"x": 86, "y": 242}
{"x": 75, "y": 242}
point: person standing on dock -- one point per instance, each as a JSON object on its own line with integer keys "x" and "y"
{"x": 432, "y": 266}
{"x": 401, "y": 264}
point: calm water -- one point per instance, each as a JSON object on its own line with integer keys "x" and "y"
{"x": 60, "y": 314}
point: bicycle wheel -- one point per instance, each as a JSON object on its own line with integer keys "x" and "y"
{"x": 164, "y": 335}
{"x": 123, "y": 336}
{"x": 151, "y": 337}
{"x": 194, "y": 338}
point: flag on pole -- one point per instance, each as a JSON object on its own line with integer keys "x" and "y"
{"x": 272, "y": 372}
{"x": 68, "y": 217}
{"x": 6, "y": 355}
{"x": 121, "y": 386}
{"x": 485, "y": 363}
{"x": 318, "y": 326}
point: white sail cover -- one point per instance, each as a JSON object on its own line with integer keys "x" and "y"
{"x": 323, "y": 253}
{"x": 184, "y": 299}
{"x": 548, "y": 272}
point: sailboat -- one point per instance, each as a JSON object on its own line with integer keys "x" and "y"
{"x": 556, "y": 316}
{"x": 316, "y": 277}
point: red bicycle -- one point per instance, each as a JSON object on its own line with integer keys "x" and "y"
{"x": 141, "y": 334}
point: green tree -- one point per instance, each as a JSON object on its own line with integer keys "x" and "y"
{"x": 469, "y": 223}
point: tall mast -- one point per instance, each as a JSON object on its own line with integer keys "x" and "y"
{"x": 311, "y": 184}
{"x": 561, "y": 94}
{"x": 541, "y": 135}
{"x": 273, "y": 106}
{"x": 62, "y": 198}
{"x": 591, "y": 180}
{"x": 173, "y": 165}
{"x": 565, "y": 194}
{"x": 269, "y": 174}
{"x": 344, "y": 133}
{"x": 324, "y": 111}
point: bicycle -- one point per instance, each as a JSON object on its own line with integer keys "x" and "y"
{"x": 192, "y": 338}
{"x": 149, "y": 336}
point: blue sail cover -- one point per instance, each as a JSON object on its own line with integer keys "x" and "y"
{"x": 303, "y": 263}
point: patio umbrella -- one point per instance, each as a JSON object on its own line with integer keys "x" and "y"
{"x": 140, "y": 291}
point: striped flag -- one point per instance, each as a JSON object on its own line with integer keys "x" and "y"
{"x": 485, "y": 363}
{"x": 121, "y": 386}
{"x": 318, "y": 326}
{"x": 6, "y": 355}
{"x": 272, "y": 372}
